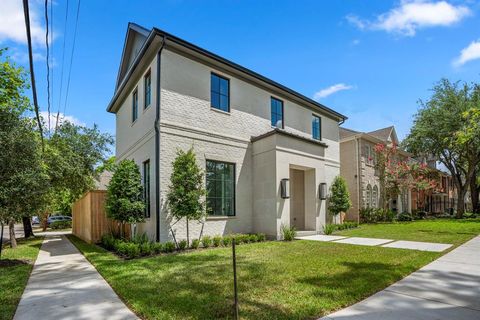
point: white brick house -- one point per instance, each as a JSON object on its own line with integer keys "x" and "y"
{"x": 249, "y": 133}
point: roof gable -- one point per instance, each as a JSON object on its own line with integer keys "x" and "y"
{"x": 134, "y": 40}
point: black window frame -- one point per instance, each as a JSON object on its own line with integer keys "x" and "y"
{"x": 234, "y": 188}
{"x": 135, "y": 105}
{"x": 212, "y": 92}
{"x": 147, "y": 76}
{"x": 272, "y": 99}
{"x": 146, "y": 186}
{"x": 314, "y": 117}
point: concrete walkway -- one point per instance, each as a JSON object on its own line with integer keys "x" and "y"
{"x": 388, "y": 243}
{"x": 448, "y": 288}
{"x": 64, "y": 285}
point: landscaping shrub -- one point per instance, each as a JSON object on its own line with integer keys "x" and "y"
{"x": 328, "y": 228}
{"x": 157, "y": 247}
{"x": 227, "y": 241}
{"x": 128, "y": 249}
{"x": 404, "y": 216}
{"x": 182, "y": 245}
{"x": 261, "y": 237}
{"x": 140, "y": 238}
{"x": 169, "y": 246}
{"x": 108, "y": 241}
{"x": 217, "y": 241}
{"x": 374, "y": 215}
{"x": 60, "y": 225}
{"x": 145, "y": 248}
{"x": 288, "y": 233}
{"x": 195, "y": 244}
{"x": 206, "y": 241}
{"x": 253, "y": 238}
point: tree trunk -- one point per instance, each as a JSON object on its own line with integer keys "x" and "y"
{"x": 1, "y": 240}
{"x": 13, "y": 241}
{"x": 44, "y": 222}
{"x": 474, "y": 192}
{"x": 27, "y": 227}
{"x": 188, "y": 235}
{"x": 460, "y": 203}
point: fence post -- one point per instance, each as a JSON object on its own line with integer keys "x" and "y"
{"x": 235, "y": 281}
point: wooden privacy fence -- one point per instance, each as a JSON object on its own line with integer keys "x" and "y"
{"x": 90, "y": 221}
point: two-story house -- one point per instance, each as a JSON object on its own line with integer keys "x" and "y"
{"x": 358, "y": 160}
{"x": 268, "y": 153}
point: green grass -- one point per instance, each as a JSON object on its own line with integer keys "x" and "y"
{"x": 277, "y": 280}
{"x": 450, "y": 231}
{"x": 13, "y": 279}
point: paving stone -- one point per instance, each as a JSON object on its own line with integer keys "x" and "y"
{"x": 364, "y": 241}
{"x": 415, "y": 245}
{"x": 320, "y": 237}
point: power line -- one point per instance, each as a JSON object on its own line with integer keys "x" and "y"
{"x": 32, "y": 75}
{"x": 61, "y": 74}
{"x": 71, "y": 57}
{"x": 48, "y": 64}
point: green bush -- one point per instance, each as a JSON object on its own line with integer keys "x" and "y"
{"x": 145, "y": 248}
{"x": 241, "y": 238}
{"x": 157, "y": 247}
{"x": 195, "y": 244}
{"x": 252, "y": 238}
{"x": 374, "y": 215}
{"x": 169, "y": 246}
{"x": 128, "y": 249}
{"x": 288, "y": 233}
{"x": 182, "y": 245}
{"x": 108, "y": 241}
{"x": 404, "y": 216}
{"x": 328, "y": 228}
{"x": 217, "y": 241}
{"x": 227, "y": 241}
{"x": 60, "y": 225}
{"x": 140, "y": 238}
{"x": 261, "y": 237}
{"x": 206, "y": 241}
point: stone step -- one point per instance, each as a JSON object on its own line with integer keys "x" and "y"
{"x": 303, "y": 233}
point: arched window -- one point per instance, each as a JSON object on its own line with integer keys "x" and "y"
{"x": 375, "y": 197}
{"x": 368, "y": 197}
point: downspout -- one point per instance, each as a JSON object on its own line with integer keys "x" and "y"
{"x": 357, "y": 160}
{"x": 157, "y": 142}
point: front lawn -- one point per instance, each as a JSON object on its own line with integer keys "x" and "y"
{"x": 450, "y": 231}
{"x": 15, "y": 268}
{"x": 277, "y": 280}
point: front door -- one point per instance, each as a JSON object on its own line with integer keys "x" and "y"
{"x": 297, "y": 199}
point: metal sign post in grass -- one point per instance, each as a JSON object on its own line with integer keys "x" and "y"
{"x": 235, "y": 306}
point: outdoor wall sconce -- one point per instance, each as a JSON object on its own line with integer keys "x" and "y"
{"x": 285, "y": 188}
{"x": 322, "y": 191}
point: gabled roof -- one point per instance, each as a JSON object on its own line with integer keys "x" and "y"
{"x": 345, "y": 133}
{"x": 387, "y": 134}
{"x": 180, "y": 44}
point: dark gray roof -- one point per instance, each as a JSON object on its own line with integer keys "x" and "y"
{"x": 382, "y": 134}
{"x": 289, "y": 134}
{"x": 345, "y": 132}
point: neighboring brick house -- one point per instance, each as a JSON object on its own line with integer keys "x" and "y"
{"x": 257, "y": 140}
{"x": 358, "y": 158}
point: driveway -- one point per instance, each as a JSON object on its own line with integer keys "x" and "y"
{"x": 64, "y": 285}
{"x": 448, "y": 288}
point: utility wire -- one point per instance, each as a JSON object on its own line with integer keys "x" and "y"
{"x": 61, "y": 74}
{"x": 48, "y": 64}
{"x": 71, "y": 58}
{"x": 32, "y": 75}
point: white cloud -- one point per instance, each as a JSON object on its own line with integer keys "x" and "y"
{"x": 412, "y": 15}
{"x": 12, "y": 26}
{"x": 472, "y": 52}
{"x": 62, "y": 118}
{"x": 331, "y": 90}
{"x": 356, "y": 42}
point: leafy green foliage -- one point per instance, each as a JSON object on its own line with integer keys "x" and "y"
{"x": 182, "y": 245}
{"x": 61, "y": 225}
{"x": 288, "y": 233}
{"x": 125, "y": 194}
{"x": 374, "y": 215}
{"x": 206, "y": 241}
{"x": 217, "y": 241}
{"x": 195, "y": 244}
{"x": 328, "y": 228}
{"x": 169, "y": 246}
{"x": 339, "y": 199}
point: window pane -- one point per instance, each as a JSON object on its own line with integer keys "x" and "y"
{"x": 214, "y": 83}
{"x": 220, "y": 185}
{"x": 224, "y": 87}
{"x": 215, "y": 97}
{"x": 223, "y": 103}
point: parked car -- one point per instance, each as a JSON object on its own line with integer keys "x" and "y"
{"x": 58, "y": 218}
{"x": 35, "y": 220}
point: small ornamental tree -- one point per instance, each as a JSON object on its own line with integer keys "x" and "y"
{"x": 186, "y": 189}
{"x": 339, "y": 199}
{"x": 125, "y": 195}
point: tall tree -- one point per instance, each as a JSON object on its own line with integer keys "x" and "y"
{"x": 186, "y": 189}
{"x": 339, "y": 199}
{"x": 445, "y": 127}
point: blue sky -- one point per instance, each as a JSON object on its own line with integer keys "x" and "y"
{"x": 370, "y": 60}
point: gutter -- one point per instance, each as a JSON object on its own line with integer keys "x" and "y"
{"x": 157, "y": 142}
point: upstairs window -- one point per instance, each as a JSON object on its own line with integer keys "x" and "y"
{"x": 146, "y": 187}
{"x": 220, "y": 92}
{"x": 316, "y": 128}
{"x": 134, "y": 105}
{"x": 220, "y": 178}
{"x": 147, "y": 81}
{"x": 276, "y": 113}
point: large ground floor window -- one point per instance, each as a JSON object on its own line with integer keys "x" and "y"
{"x": 220, "y": 178}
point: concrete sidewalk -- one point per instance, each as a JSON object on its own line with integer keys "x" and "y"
{"x": 64, "y": 285}
{"x": 448, "y": 288}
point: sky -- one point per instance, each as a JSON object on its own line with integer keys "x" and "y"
{"x": 369, "y": 60}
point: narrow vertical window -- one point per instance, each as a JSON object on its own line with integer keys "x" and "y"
{"x": 316, "y": 128}
{"x": 220, "y": 92}
{"x": 220, "y": 179}
{"x": 134, "y": 105}
{"x": 276, "y": 113}
{"x": 147, "y": 82}
{"x": 146, "y": 187}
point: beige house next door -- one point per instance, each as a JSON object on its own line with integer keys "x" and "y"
{"x": 297, "y": 199}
